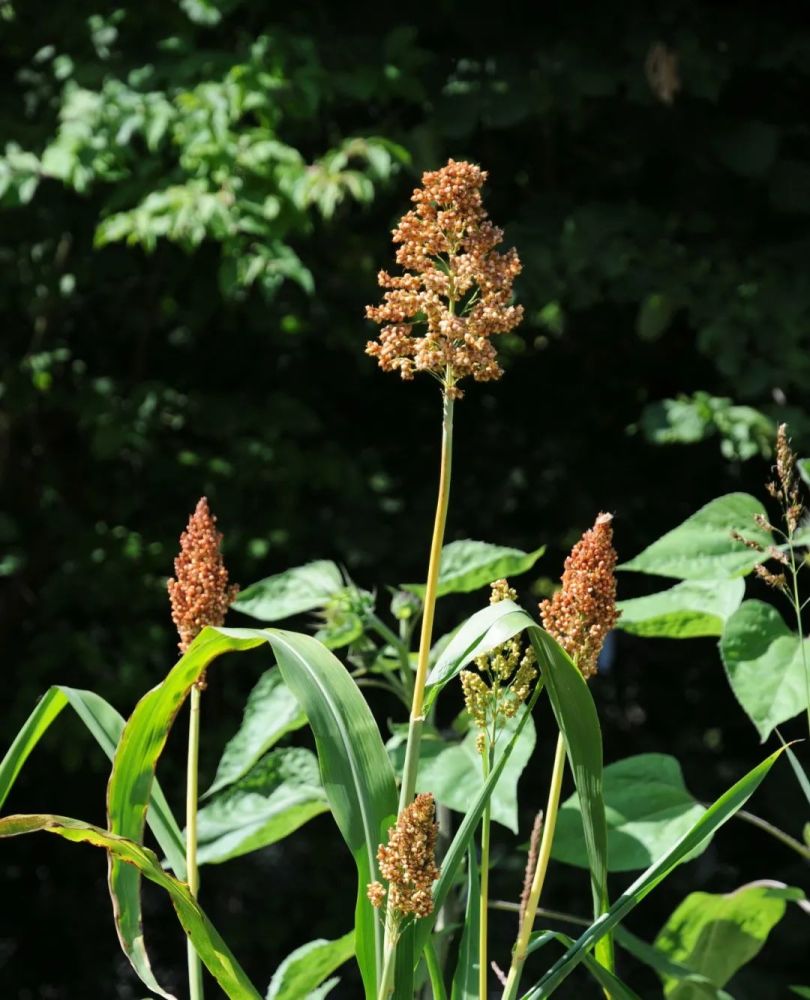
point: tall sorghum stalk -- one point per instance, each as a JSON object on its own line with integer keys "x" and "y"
{"x": 200, "y": 595}
{"x": 456, "y": 288}
{"x": 579, "y": 616}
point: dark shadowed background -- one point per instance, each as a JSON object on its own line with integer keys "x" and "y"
{"x": 195, "y": 198}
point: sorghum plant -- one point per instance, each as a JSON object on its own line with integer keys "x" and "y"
{"x": 393, "y": 802}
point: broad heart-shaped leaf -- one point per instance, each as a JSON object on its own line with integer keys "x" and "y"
{"x": 209, "y": 945}
{"x": 453, "y": 771}
{"x": 465, "y": 980}
{"x": 355, "y": 770}
{"x": 718, "y": 813}
{"x": 702, "y": 547}
{"x": 667, "y": 967}
{"x": 105, "y": 724}
{"x": 291, "y": 592}
{"x": 270, "y": 713}
{"x": 717, "y": 934}
{"x": 305, "y": 969}
{"x": 467, "y": 565}
{"x": 278, "y": 795}
{"x": 763, "y": 661}
{"x": 647, "y": 807}
{"x": 688, "y": 610}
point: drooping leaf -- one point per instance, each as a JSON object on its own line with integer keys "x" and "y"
{"x": 647, "y": 807}
{"x": 763, "y": 661}
{"x": 574, "y": 712}
{"x": 688, "y": 610}
{"x": 291, "y": 592}
{"x": 106, "y": 725}
{"x": 355, "y": 770}
{"x": 578, "y": 722}
{"x": 278, "y": 795}
{"x": 467, "y": 565}
{"x": 270, "y": 713}
{"x": 718, "y": 813}
{"x": 717, "y": 934}
{"x": 305, "y": 969}
{"x": 702, "y": 547}
{"x": 465, "y": 980}
{"x": 484, "y": 630}
{"x": 453, "y": 771}
{"x": 209, "y": 945}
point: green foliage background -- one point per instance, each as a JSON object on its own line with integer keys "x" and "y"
{"x": 195, "y": 198}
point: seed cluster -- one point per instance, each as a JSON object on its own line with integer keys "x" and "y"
{"x": 580, "y": 615}
{"x": 408, "y": 861}
{"x": 510, "y": 670}
{"x": 200, "y": 594}
{"x": 457, "y": 287}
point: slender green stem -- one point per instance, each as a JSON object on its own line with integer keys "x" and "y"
{"x": 434, "y": 971}
{"x": 775, "y": 832}
{"x": 543, "y": 855}
{"x": 411, "y": 765}
{"x": 509, "y": 907}
{"x": 195, "y": 983}
{"x": 797, "y": 607}
{"x": 483, "y": 912}
{"x": 392, "y": 639}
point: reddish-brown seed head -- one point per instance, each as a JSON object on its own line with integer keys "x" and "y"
{"x": 200, "y": 594}
{"x": 580, "y": 615}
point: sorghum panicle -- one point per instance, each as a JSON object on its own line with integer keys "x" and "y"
{"x": 408, "y": 861}
{"x": 580, "y": 615}
{"x": 531, "y": 863}
{"x": 200, "y": 594}
{"x": 786, "y": 474}
{"x": 456, "y": 286}
{"x": 511, "y": 671}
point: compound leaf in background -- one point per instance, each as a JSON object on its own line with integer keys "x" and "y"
{"x": 763, "y": 661}
{"x": 467, "y": 565}
{"x": 291, "y": 592}
{"x": 688, "y": 610}
{"x": 717, "y": 934}
{"x": 702, "y": 547}
{"x": 304, "y": 970}
{"x": 647, "y": 807}
{"x": 454, "y": 774}
{"x": 277, "y": 796}
{"x": 270, "y": 713}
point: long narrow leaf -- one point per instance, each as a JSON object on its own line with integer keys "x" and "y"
{"x": 578, "y": 721}
{"x": 355, "y": 770}
{"x": 714, "y": 817}
{"x": 211, "y": 948}
{"x": 614, "y": 987}
{"x": 465, "y": 980}
{"x": 105, "y": 725}
{"x": 574, "y": 711}
{"x": 461, "y": 841}
{"x": 667, "y": 967}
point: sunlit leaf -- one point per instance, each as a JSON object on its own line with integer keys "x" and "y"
{"x": 689, "y": 609}
{"x": 304, "y": 970}
{"x": 467, "y": 565}
{"x": 291, "y": 592}
{"x": 764, "y": 664}
{"x": 209, "y": 945}
{"x": 647, "y": 807}
{"x": 702, "y": 547}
